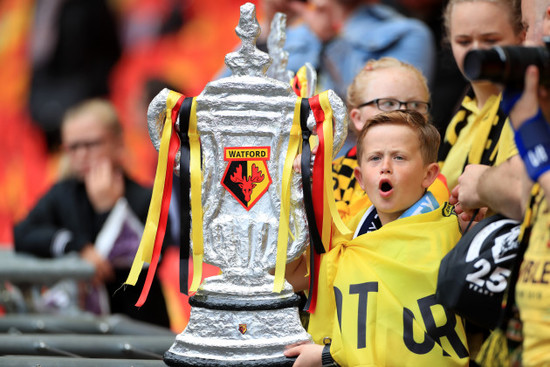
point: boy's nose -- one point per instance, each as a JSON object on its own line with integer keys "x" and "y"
{"x": 386, "y": 166}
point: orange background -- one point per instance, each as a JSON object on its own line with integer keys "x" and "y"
{"x": 187, "y": 59}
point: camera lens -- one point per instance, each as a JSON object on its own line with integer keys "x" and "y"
{"x": 485, "y": 64}
{"x": 505, "y": 64}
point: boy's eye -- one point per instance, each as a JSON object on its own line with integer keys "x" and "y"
{"x": 399, "y": 157}
{"x": 374, "y": 158}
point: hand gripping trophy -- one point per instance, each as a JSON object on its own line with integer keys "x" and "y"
{"x": 237, "y": 142}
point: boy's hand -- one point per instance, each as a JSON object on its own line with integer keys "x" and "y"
{"x": 104, "y": 185}
{"x": 297, "y": 164}
{"x": 309, "y": 355}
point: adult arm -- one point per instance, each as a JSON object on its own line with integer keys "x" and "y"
{"x": 533, "y": 100}
{"x": 502, "y": 188}
{"x": 42, "y": 232}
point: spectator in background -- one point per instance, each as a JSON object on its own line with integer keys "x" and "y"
{"x": 479, "y": 134}
{"x": 382, "y": 85}
{"x": 505, "y": 188}
{"x": 338, "y": 36}
{"x": 97, "y": 211}
{"x": 74, "y": 45}
{"x": 447, "y": 85}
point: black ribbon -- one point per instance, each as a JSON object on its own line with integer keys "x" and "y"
{"x": 314, "y": 237}
{"x": 185, "y": 189}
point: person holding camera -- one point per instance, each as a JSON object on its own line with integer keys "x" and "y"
{"x": 529, "y": 116}
{"x": 478, "y": 134}
{"x": 506, "y": 188}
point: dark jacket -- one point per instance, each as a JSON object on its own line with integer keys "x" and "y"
{"x": 66, "y": 207}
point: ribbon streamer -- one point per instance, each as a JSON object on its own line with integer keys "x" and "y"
{"x": 185, "y": 188}
{"x": 196, "y": 198}
{"x": 282, "y": 237}
{"x": 155, "y": 227}
{"x": 326, "y": 213}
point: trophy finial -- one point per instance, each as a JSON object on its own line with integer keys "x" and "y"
{"x": 248, "y": 60}
{"x": 275, "y": 43}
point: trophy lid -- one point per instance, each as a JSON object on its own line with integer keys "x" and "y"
{"x": 248, "y": 60}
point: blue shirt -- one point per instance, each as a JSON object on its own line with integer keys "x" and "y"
{"x": 372, "y": 31}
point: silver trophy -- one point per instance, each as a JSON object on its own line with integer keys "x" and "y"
{"x": 244, "y": 122}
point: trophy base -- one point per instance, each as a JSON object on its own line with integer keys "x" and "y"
{"x": 238, "y": 330}
{"x": 172, "y": 359}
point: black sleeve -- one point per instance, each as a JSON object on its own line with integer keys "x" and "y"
{"x": 139, "y": 199}
{"x": 35, "y": 233}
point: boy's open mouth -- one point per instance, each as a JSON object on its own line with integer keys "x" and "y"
{"x": 385, "y": 186}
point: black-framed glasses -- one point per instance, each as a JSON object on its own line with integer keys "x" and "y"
{"x": 87, "y": 145}
{"x": 391, "y": 104}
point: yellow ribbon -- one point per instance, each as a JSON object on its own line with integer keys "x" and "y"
{"x": 145, "y": 250}
{"x": 282, "y": 237}
{"x": 330, "y": 212}
{"x": 196, "y": 197}
{"x": 301, "y": 75}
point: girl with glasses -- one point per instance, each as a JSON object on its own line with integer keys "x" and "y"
{"x": 382, "y": 85}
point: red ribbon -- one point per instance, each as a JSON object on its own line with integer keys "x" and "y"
{"x": 165, "y": 205}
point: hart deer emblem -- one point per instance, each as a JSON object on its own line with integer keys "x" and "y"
{"x": 246, "y": 176}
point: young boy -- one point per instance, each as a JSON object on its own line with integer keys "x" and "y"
{"x": 376, "y": 303}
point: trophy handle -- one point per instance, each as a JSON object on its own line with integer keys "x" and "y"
{"x": 155, "y": 117}
{"x": 340, "y": 121}
{"x": 155, "y": 123}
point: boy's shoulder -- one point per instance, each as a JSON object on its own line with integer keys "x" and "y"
{"x": 445, "y": 210}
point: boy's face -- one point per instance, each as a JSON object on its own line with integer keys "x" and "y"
{"x": 392, "y": 171}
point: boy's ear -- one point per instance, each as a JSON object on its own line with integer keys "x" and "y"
{"x": 430, "y": 174}
{"x": 355, "y": 116}
{"x": 359, "y": 176}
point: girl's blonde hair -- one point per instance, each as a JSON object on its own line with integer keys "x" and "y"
{"x": 513, "y": 7}
{"x": 102, "y": 108}
{"x": 354, "y": 98}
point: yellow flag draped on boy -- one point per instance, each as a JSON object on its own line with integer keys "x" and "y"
{"x": 379, "y": 309}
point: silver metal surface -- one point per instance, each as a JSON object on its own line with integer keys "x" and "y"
{"x": 250, "y": 111}
{"x": 275, "y": 43}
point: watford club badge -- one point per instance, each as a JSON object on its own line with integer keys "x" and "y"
{"x": 242, "y": 328}
{"x": 246, "y": 176}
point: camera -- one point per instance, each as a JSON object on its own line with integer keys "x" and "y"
{"x": 507, "y": 64}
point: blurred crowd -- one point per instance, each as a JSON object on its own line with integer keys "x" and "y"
{"x": 55, "y": 54}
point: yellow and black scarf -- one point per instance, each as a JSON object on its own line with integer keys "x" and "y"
{"x": 485, "y": 149}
